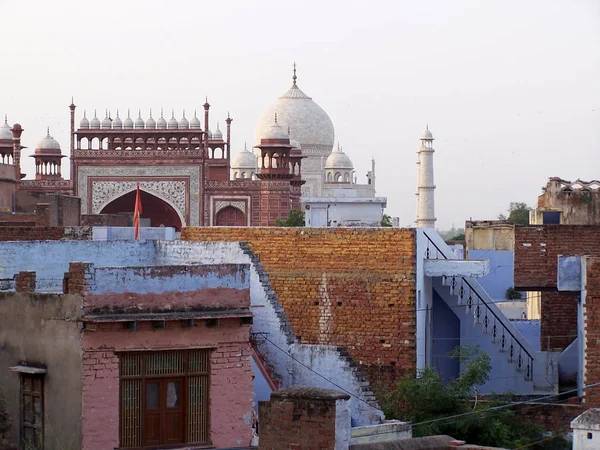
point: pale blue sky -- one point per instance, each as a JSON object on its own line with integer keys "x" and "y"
{"x": 510, "y": 89}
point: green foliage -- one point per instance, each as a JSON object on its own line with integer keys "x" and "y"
{"x": 295, "y": 218}
{"x": 513, "y": 294}
{"x": 452, "y": 234}
{"x": 386, "y": 221}
{"x": 426, "y": 399}
{"x": 518, "y": 213}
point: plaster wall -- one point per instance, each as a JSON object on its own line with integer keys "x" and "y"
{"x": 7, "y": 187}
{"x": 501, "y": 274}
{"x": 50, "y": 259}
{"x": 357, "y": 213}
{"x": 41, "y": 329}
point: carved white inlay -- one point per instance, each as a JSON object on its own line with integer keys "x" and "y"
{"x": 220, "y": 204}
{"x": 104, "y": 192}
{"x": 172, "y": 191}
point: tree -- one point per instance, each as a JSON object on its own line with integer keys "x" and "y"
{"x": 518, "y": 213}
{"x": 386, "y": 221}
{"x": 426, "y": 399}
{"x": 295, "y": 218}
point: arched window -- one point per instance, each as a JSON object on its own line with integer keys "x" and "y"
{"x": 346, "y": 177}
{"x": 338, "y": 177}
{"x": 329, "y": 176}
{"x": 243, "y": 174}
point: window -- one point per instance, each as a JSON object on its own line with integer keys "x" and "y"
{"x": 32, "y": 411}
{"x": 164, "y": 398}
{"x": 590, "y": 435}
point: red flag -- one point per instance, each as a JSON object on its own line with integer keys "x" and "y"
{"x": 137, "y": 212}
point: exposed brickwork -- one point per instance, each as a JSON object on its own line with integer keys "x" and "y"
{"x": 553, "y": 417}
{"x": 43, "y": 215}
{"x": 297, "y": 422}
{"x": 106, "y": 220}
{"x": 537, "y": 248}
{"x": 32, "y": 233}
{"x": 347, "y": 287}
{"x": 558, "y": 325}
{"x": 79, "y": 279}
{"x": 25, "y": 282}
{"x": 592, "y": 332}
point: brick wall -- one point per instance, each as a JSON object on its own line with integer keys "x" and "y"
{"x": 230, "y": 389}
{"x": 32, "y": 233}
{"x": 558, "y": 325}
{"x": 107, "y": 220}
{"x": 299, "y": 418}
{"x": 592, "y": 332}
{"x": 551, "y": 416}
{"x": 347, "y": 287}
{"x": 537, "y": 248}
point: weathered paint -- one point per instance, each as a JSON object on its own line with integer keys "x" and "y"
{"x": 459, "y": 268}
{"x": 230, "y": 389}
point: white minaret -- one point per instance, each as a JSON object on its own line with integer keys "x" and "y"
{"x": 425, "y": 187}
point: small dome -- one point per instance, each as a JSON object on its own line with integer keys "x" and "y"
{"x": 5, "y": 133}
{"x": 128, "y": 123}
{"x": 209, "y": 133}
{"x": 95, "y": 122}
{"x": 106, "y": 122}
{"x": 173, "y": 124}
{"x": 150, "y": 123}
{"x": 276, "y": 131}
{"x": 117, "y": 122}
{"x": 183, "y": 123}
{"x": 161, "y": 123}
{"x": 84, "y": 123}
{"x": 195, "y": 123}
{"x": 48, "y": 143}
{"x": 139, "y": 122}
{"x": 218, "y": 135}
{"x": 244, "y": 160}
{"x": 427, "y": 134}
{"x": 338, "y": 160}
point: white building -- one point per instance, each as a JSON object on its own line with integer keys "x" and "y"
{"x": 331, "y": 195}
{"x": 586, "y": 430}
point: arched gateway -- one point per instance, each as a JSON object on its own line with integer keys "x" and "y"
{"x": 157, "y": 210}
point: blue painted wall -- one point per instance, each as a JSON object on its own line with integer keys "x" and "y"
{"x": 445, "y": 337}
{"x": 501, "y": 275}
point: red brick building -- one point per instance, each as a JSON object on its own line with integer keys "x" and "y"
{"x": 183, "y": 170}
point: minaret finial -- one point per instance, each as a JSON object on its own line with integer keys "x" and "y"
{"x": 228, "y": 115}
{"x": 288, "y": 129}
{"x": 294, "y": 77}
{"x": 245, "y": 146}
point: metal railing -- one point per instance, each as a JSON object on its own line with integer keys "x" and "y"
{"x": 482, "y": 311}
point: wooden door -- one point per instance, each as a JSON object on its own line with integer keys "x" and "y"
{"x": 163, "y": 411}
{"x": 230, "y": 217}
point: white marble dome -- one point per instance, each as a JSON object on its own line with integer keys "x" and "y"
{"x": 106, "y": 122}
{"x": 139, "y": 122}
{"x": 184, "y": 124}
{"x": 218, "y": 134}
{"x": 84, "y": 123}
{"x": 427, "y": 134}
{"x": 244, "y": 160}
{"x": 95, "y": 122}
{"x": 150, "y": 122}
{"x": 128, "y": 122}
{"x": 275, "y": 131}
{"x": 48, "y": 143}
{"x": 338, "y": 160}
{"x": 173, "y": 124}
{"x": 310, "y": 124}
{"x": 5, "y": 132}
{"x": 195, "y": 122}
{"x": 117, "y": 122}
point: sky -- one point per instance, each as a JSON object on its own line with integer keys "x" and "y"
{"x": 510, "y": 89}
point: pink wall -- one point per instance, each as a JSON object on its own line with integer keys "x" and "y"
{"x": 230, "y": 377}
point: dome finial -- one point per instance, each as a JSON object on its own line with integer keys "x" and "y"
{"x": 84, "y": 112}
{"x": 275, "y": 117}
{"x": 6, "y": 118}
{"x": 184, "y": 113}
{"x": 47, "y": 131}
{"x": 245, "y": 146}
{"x": 161, "y": 112}
{"x": 128, "y": 113}
{"x": 294, "y": 78}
